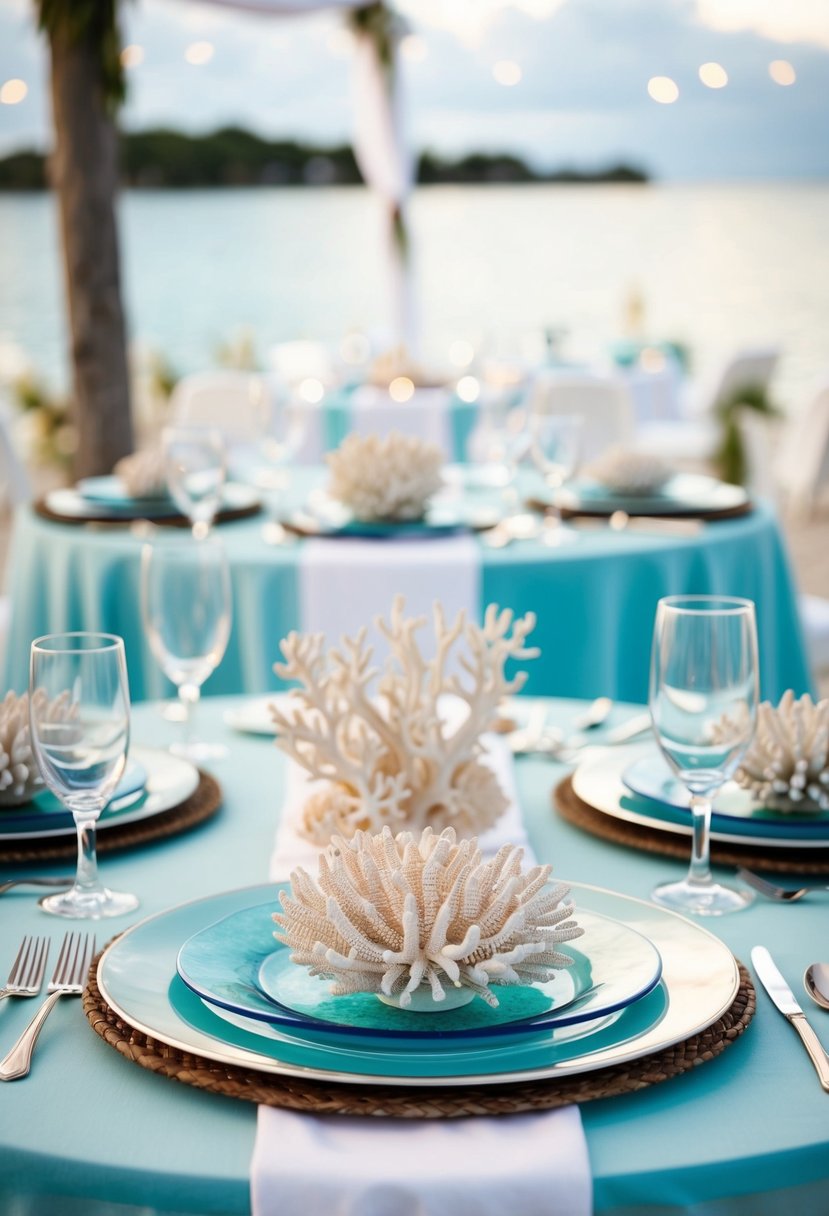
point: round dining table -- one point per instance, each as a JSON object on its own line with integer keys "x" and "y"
{"x": 90, "y": 1132}
{"x": 594, "y": 598}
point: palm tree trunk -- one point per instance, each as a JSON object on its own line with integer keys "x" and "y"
{"x": 85, "y": 174}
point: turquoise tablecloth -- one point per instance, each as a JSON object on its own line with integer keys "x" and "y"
{"x": 88, "y": 1126}
{"x": 594, "y": 599}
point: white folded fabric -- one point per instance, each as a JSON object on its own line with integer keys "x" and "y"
{"x": 426, "y": 415}
{"x": 344, "y": 582}
{"x": 328, "y": 1165}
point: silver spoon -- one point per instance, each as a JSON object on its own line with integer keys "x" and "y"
{"x": 816, "y": 983}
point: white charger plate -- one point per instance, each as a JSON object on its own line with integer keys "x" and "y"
{"x": 598, "y": 781}
{"x": 169, "y": 781}
{"x": 137, "y": 977}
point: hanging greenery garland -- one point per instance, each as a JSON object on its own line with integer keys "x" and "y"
{"x": 94, "y": 22}
{"x": 378, "y": 22}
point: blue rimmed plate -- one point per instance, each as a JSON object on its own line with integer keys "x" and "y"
{"x": 324, "y": 516}
{"x": 237, "y": 965}
{"x": 734, "y": 809}
{"x": 683, "y": 494}
{"x": 138, "y": 980}
{"x": 45, "y": 811}
{"x": 111, "y": 490}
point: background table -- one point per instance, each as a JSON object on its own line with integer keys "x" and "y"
{"x": 595, "y": 599}
{"x": 88, "y": 1128}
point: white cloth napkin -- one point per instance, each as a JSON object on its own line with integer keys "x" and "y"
{"x": 328, "y": 1165}
{"x": 344, "y": 582}
{"x": 426, "y": 415}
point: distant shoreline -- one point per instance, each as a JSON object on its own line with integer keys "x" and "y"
{"x": 165, "y": 159}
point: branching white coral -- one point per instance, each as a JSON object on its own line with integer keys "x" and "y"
{"x": 390, "y": 478}
{"x": 628, "y": 472}
{"x": 787, "y": 764}
{"x": 20, "y": 777}
{"x": 391, "y": 914}
{"x": 391, "y": 758}
{"x": 142, "y": 473}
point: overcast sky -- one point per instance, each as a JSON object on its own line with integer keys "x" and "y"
{"x": 582, "y": 98}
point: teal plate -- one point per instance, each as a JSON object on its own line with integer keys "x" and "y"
{"x": 112, "y": 491}
{"x": 735, "y": 811}
{"x": 237, "y": 965}
{"x": 138, "y": 980}
{"x": 324, "y": 516}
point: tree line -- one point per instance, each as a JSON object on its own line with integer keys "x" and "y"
{"x": 164, "y": 158}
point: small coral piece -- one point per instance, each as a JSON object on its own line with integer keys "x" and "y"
{"x": 390, "y": 914}
{"x": 390, "y": 478}
{"x": 391, "y": 759}
{"x": 627, "y": 472}
{"x": 142, "y": 473}
{"x": 20, "y": 777}
{"x": 787, "y": 764}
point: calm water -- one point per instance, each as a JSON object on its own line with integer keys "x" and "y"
{"x": 717, "y": 266}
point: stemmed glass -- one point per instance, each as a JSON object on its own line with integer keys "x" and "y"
{"x": 195, "y": 466}
{"x": 703, "y": 702}
{"x": 555, "y": 449}
{"x": 280, "y": 424}
{"x": 80, "y": 735}
{"x": 186, "y": 610}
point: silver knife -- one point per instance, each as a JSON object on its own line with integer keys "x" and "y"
{"x": 782, "y": 995}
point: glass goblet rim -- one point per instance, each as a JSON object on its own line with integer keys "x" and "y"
{"x": 105, "y": 642}
{"x": 707, "y": 605}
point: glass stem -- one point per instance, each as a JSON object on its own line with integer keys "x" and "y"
{"x": 699, "y": 872}
{"x": 189, "y": 697}
{"x": 87, "y": 875}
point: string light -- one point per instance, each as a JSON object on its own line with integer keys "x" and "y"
{"x": 507, "y": 72}
{"x": 312, "y": 390}
{"x": 782, "y": 72}
{"x": 13, "y": 92}
{"x": 199, "y": 53}
{"x": 132, "y": 55}
{"x": 713, "y": 75}
{"x": 663, "y": 89}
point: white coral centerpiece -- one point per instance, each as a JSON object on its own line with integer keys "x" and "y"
{"x": 20, "y": 777}
{"x": 787, "y": 764}
{"x": 393, "y": 914}
{"x": 391, "y": 478}
{"x": 627, "y": 472}
{"x": 142, "y": 473}
{"x": 392, "y": 758}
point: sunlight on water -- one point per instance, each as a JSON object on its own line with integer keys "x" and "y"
{"x": 716, "y": 265}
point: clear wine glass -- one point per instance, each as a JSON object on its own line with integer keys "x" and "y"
{"x": 280, "y": 422}
{"x": 80, "y": 737}
{"x": 195, "y": 466}
{"x": 186, "y": 610}
{"x": 555, "y": 449}
{"x": 703, "y": 702}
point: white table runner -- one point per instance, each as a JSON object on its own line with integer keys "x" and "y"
{"x": 329, "y": 1165}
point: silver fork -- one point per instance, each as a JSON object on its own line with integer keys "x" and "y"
{"x": 26, "y": 974}
{"x": 783, "y": 895}
{"x": 67, "y": 980}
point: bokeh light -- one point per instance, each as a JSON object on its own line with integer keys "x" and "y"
{"x": 663, "y": 89}
{"x": 132, "y": 55}
{"x": 468, "y": 388}
{"x": 507, "y": 72}
{"x": 312, "y": 390}
{"x": 713, "y": 75}
{"x": 782, "y": 72}
{"x": 401, "y": 389}
{"x": 13, "y": 92}
{"x": 199, "y": 53}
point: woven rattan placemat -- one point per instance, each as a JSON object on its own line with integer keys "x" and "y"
{"x": 226, "y": 516}
{"x": 316, "y": 1097}
{"x": 202, "y": 804}
{"x": 670, "y": 844}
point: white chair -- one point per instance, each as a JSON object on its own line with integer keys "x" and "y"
{"x": 803, "y": 466}
{"x": 694, "y": 438}
{"x": 603, "y": 402}
{"x": 230, "y": 401}
{"x": 814, "y": 619}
